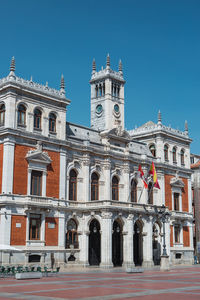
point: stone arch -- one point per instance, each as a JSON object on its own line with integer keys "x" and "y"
{"x": 94, "y": 242}
{"x": 117, "y": 242}
{"x": 138, "y": 242}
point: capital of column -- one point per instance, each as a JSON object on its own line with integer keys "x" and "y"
{"x": 106, "y": 215}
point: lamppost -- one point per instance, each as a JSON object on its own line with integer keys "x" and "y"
{"x": 163, "y": 217}
{"x": 163, "y": 214}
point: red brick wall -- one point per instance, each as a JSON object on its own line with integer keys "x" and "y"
{"x": 51, "y": 234}
{"x": 1, "y": 166}
{"x": 185, "y": 195}
{"x": 168, "y": 192}
{"x": 171, "y": 236}
{"x": 20, "y": 170}
{"x": 186, "y": 236}
{"x": 53, "y": 174}
{"x": 18, "y": 234}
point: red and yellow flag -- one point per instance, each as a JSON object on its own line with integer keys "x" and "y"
{"x": 152, "y": 171}
{"x": 142, "y": 176}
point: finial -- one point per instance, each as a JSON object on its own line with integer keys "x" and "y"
{"x": 62, "y": 84}
{"x": 120, "y": 66}
{"x": 108, "y": 61}
{"x": 186, "y": 126}
{"x": 159, "y": 117}
{"x": 12, "y": 65}
{"x": 93, "y": 66}
{"x": 31, "y": 80}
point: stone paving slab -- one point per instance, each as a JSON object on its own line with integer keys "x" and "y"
{"x": 180, "y": 283}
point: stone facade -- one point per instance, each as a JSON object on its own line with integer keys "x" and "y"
{"x": 72, "y": 195}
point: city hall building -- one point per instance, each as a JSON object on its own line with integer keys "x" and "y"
{"x": 71, "y": 195}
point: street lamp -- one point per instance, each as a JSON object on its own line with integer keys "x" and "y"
{"x": 163, "y": 217}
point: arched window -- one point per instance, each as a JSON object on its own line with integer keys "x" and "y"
{"x": 21, "y": 115}
{"x": 150, "y": 193}
{"x": 166, "y": 153}
{"x": 2, "y": 115}
{"x": 52, "y": 122}
{"x": 133, "y": 190}
{"x": 94, "y": 187}
{"x": 115, "y": 188}
{"x": 73, "y": 185}
{"x": 152, "y": 148}
{"x": 182, "y": 157}
{"x": 71, "y": 237}
{"x": 37, "y": 119}
{"x": 174, "y": 154}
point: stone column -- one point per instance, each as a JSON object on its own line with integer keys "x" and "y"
{"x": 107, "y": 189}
{"x": 10, "y": 113}
{"x": 128, "y": 244}
{"x": 167, "y": 237}
{"x": 84, "y": 248}
{"x": 30, "y": 122}
{"x": 63, "y": 179}
{"x": 86, "y": 176}
{"x": 8, "y": 166}
{"x": 147, "y": 243}
{"x": 106, "y": 240}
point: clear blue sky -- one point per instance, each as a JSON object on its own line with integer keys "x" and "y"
{"x": 157, "y": 40}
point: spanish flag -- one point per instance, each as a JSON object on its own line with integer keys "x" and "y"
{"x": 152, "y": 171}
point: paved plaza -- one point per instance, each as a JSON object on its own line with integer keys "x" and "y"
{"x": 178, "y": 283}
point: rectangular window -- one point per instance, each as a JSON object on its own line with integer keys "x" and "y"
{"x": 36, "y": 183}
{"x": 35, "y": 225}
{"x": 176, "y": 201}
{"x": 177, "y": 234}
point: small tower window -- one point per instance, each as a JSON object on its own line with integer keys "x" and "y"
{"x": 166, "y": 153}
{"x": 94, "y": 187}
{"x": 2, "y": 115}
{"x": 174, "y": 154}
{"x": 152, "y": 148}
{"x": 133, "y": 190}
{"x": 52, "y": 123}
{"x": 21, "y": 117}
{"x": 182, "y": 157}
{"x": 115, "y": 188}
{"x": 37, "y": 119}
{"x": 73, "y": 185}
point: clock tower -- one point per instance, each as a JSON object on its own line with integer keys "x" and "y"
{"x": 107, "y": 97}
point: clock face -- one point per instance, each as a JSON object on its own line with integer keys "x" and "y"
{"x": 116, "y": 108}
{"x": 99, "y": 109}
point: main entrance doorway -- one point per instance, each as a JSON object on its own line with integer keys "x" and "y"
{"x": 138, "y": 244}
{"x": 94, "y": 243}
{"x": 117, "y": 244}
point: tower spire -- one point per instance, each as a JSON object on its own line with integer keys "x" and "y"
{"x": 120, "y": 66}
{"x": 62, "y": 84}
{"x": 93, "y": 66}
{"x": 186, "y": 126}
{"x": 108, "y": 61}
{"x": 12, "y": 65}
{"x": 159, "y": 118}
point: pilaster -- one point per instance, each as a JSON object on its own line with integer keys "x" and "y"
{"x": 61, "y": 230}
{"x": 5, "y": 226}
{"x": 8, "y": 166}
{"x": 86, "y": 176}
{"x": 147, "y": 243}
{"x": 128, "y": 243}
{"x": 106, "y": 240}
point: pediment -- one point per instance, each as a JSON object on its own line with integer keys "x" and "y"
{"x": 38, "y": 156}
{"x": 177, "y": 182}
{"x": 117, "y": 133}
